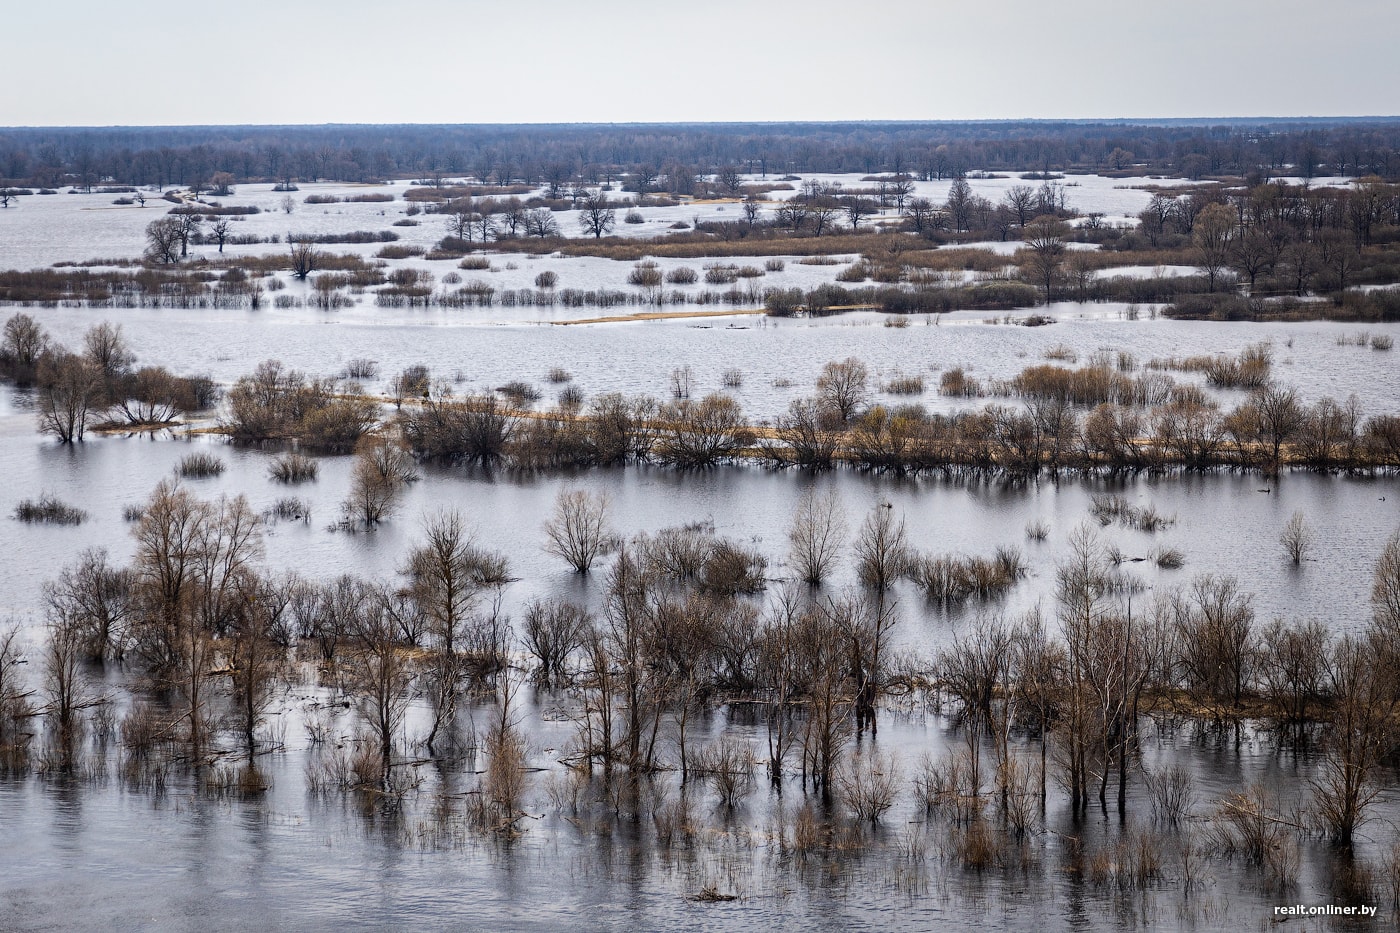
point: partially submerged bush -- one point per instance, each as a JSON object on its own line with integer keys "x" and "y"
{"x": 293, "y": 468}
{"x": 49, "y": 509}
{"x": 199, "y": 465}
{"x": 279, "y": 403}
{"x": 905, "y": 385}
{"x": 520, "y": 393}
{"x": 291, "y": 509}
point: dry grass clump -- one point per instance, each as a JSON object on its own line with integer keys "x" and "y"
{"x": 199, "y": 465}
{"x": 475, "y": 264}
{"x": 1113, "y": 508}
{"x": 954, "y": 579}
{"x": 905, "y": 385}
{"x": 957, "y": 383}
{"x": 291, "y": 509}
{"x": 1168, "y": 558}
{"x": 721, "y": 274}
{"x": 1037, "y": 530}
{"x": 361, "y": 368}
{"x": 1249, "y": 369}
{"x": 646, "y": 274}
{"x": 399, "y": 251}
{"x": 50, "y": 510}
{"x": 293, "y": 468}
{"x": 520, "y": 393}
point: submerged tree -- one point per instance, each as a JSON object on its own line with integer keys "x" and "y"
{"x": 382, "y": 470}
{"x": 578, "y": 531}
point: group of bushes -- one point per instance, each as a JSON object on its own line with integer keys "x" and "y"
{"x": 276, "y": 403}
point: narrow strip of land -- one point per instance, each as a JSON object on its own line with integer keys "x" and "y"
{"x": 660, "y": 316}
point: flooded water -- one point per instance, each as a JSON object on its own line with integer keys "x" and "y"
{"x": 89, "y": 851}
{"x": 778, "y": 359}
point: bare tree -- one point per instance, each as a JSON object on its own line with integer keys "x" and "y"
{"x": 578, "y": 531}
{"x": 189, "y": 221}
{"x": 552, "y": 632}
{"x": 219, "y": 231}
{"x": 540, "y": 223}
{"x": 1020, "y": 201}
{"x": 1045, "y": 238}
{"x": 379, "y": 680}
{"x": 382, "y": 470}
{"x": 817, "y": 535}
{"x": 163, "y": 240}
{"x": 922, "y": 214}
{"x": 857, "y": 209}
{"x": 596, "y": 215}
{"x": 105, "y": 346}
{"x": 306, "y": 258}
{"x": 1296, "y": 538}
{"x": 844, "y": 387}
{"x": 24, "y": 343}
{"x": 95, "y": 600}
{"x": 70, "y": 396}
{"x": 448, "y": 575}
{"x": 1280, "y": 418}
{"x": 882, "y": 549}
{"x": 1363, "y": 687}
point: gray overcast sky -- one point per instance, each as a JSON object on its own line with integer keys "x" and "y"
{"x": 80, "y": 62}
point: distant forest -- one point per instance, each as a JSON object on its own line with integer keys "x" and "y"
{"x": 668, "y": 157}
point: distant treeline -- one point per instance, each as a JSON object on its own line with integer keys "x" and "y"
{"x": 670, "y": 156}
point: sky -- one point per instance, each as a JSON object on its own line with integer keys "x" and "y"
{"x": 161, "y": 62}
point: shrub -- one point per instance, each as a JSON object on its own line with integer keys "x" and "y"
{"x": 399, "y": 251}
{"x": 682, "y": 275}
{"x": 698, "y": 434}
{"x": 547, "y": 279}
{"x": 1168, "y": 558}
{"x": 558, "y": 374}
{"x": 291, "y": 509}
{"x": 720, "y": 274}
{"x": 48, "y": 509}
{"x": 634, "y": 216}
{"x": 199, "y": 465}
{"x": 520, "y": 393}
{"x": 856, "y": 272}
{"x": 475, "y": 264}
{"x": 293, "y": 468}
{"x": 905, "y": 385}
{"x": 775, "y": 265}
